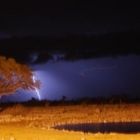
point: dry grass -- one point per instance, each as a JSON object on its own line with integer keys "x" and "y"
{"x": 22, "y": 133}
{"x": 20, "y": 122}
{"x": 52, "y": 115}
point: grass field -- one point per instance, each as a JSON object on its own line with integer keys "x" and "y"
{"x": 35, "y": 123}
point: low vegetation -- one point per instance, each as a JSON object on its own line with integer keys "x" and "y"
{"x": 38, "y": 118}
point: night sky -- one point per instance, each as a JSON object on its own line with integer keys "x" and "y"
{"x": 61, "y": 17}
{"x": 102, "y": 76}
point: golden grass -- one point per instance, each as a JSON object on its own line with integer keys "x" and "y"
{"x": 52, "y": 115}
{"x": 22, "y": 133}
{"x": 34, "y": 123}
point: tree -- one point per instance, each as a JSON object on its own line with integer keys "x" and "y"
{"x": 14, "y": 76}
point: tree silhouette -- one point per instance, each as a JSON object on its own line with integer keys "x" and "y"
{"x": 14, "y": 76}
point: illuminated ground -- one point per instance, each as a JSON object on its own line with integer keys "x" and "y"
{"x": 20, "y": 122}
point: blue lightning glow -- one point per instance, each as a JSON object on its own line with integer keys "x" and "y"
{"x": 36, "y": 90}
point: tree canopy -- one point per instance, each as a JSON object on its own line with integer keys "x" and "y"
{"x": 14, "y": 76}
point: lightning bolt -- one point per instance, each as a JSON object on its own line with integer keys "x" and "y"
{"x": 36, "y": 90}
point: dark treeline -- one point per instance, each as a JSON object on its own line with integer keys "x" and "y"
{"x": 73, "y": 46}
{"x": 115, "y": 99}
